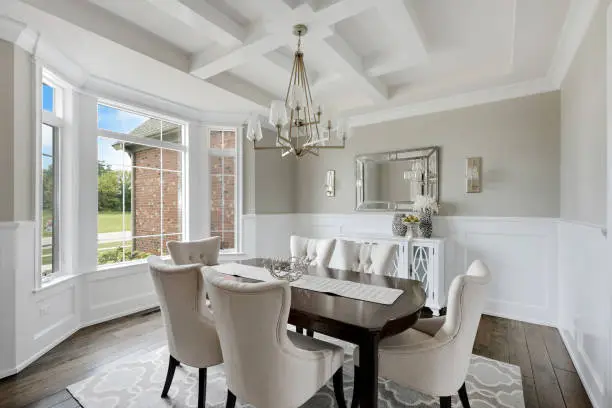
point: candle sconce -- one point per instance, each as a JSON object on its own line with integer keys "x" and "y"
{"x": 330, "y": 183}
{"x": 473, "y": 175}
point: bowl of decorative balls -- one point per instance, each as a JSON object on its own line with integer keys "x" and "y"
{"x": 412, "y": 222}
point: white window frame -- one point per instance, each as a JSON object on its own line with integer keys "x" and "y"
{"x": 182, "y": 148}
{"x": 237, "y": 154}
{"x": 54, "y": 119}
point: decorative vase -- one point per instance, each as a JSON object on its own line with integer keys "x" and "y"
{"x": 411, "y": 230}
{"x": 397, "y": 226}
{"x": 425, "y": 225}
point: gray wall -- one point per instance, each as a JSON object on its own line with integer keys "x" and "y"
{"x": 16, "y": 135}
{"x": 269, "y": 179}
{"x": 519, "y": 141}
{"x": 6, "y": 131}
{"x": 583, "y": 129}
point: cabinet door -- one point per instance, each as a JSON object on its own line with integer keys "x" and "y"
{"x": 421, "y": 263}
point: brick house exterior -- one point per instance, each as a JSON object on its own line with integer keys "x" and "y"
{"x": 153, "y": 178}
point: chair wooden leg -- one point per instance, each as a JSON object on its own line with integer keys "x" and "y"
{"x": 445, "y": 402}
{"x": 463, "y": 396}
{"x": 172, "y": 363}
{"x": 202, "y": 388}
{"x": 355, "y": 400}
{"x": 231, "y": 400}
{"x": 310, "y": 333}
{"x": 338, "y": 380}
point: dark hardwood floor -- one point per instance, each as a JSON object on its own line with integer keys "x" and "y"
{"x": 549, "y": 377}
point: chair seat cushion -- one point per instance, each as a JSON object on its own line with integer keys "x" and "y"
{"x": 409, "y": 337}
{"x": 311, "y": 344}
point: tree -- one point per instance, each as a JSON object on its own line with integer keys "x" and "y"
{"x": 47, "y": 187}
{"x": 114, "y": 189}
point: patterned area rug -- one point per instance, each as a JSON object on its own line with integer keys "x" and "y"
{"x": 136, "y": 382}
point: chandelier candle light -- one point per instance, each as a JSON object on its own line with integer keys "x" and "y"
{"x": 298, "y": 124}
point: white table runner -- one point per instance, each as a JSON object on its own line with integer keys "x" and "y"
{"x": 353, "y": 290}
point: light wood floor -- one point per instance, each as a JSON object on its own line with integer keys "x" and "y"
{"x": 549, "y": 377}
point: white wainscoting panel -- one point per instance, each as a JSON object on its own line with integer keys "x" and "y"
{"x": 116, "y": 292}
{"x": 521, "y": 253}
{"x": 584, "y": 304}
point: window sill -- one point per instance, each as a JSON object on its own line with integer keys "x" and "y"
{"x": 54, "y": 281}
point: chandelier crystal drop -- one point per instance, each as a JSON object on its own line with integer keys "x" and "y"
{"x": 300, "y": 129}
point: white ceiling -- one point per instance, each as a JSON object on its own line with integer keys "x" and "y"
{"x": 232, "y": 55}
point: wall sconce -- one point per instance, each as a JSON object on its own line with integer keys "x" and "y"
{"x": 330, "y": 183}
{"x": 473, "y": 175}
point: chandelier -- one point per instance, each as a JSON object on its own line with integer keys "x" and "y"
{"x": 298, "y": 124}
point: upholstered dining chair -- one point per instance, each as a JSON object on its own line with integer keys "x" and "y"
{"x": 317, "y": 251}
{"x": 204, "y": 251}
{"x": 374, "y": 258}
{"x": 190, "y": 326}
{"x": 433, "y": 357}
{"x": 265, "y": 365}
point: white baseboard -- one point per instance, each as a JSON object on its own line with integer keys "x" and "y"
{"x": 576, "y": 360}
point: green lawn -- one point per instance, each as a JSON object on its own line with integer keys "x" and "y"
{"x": 107, "y": 222}
{"x": 113, "y": 222}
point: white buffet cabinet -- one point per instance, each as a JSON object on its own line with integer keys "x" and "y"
{"x": 417, "y": 258}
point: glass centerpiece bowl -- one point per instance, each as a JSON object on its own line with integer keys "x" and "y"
{"x": 290, "y": 269}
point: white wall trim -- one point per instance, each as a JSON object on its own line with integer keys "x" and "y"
{"x": 576, "y": 25}
{"x": 482, "y": 96}
{"x": 573, "y": 355}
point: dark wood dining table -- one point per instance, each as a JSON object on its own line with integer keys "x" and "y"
{"x": 355, "y": 321}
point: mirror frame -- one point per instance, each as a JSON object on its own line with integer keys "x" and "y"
{"x": 397, "y": 155}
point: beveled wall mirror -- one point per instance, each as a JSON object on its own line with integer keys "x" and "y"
{"x": 390, "y": 181}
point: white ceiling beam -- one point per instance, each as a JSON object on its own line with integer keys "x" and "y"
{"x": 343, "y": 10}
{"x": 347, "y": 61}
{"x": 408, "y": 35}
{"x": 205, "y": 65}
{"x": 203, "y": 17}
{"x": 102, "y": 22}
{"x": 245, "y": 89}
{"x": 5, "y": 6}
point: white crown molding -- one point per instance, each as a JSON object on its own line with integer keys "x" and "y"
{"x": 31, "y": 41}
{"x": 479, "y": 97}
{"x": 579, "y": 18}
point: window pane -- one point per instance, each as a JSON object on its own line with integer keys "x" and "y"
{"x": 144, "y": 246}
{"x": 172, "y": 132}
{"x": 121, "y": 121}
{"x": 112, "y": 154}
{"x": 229, "y": 139}
{"x": 48, "y": 98}
{"x": 146, "y": 201}
{"x": 172, "y": 160}
{"x": 222, "y": 200}
{"x": 144, "y": 156}
{"x": 48, "y": 184}
{"x": 223, "y": 139}
{"x": 216, "y": 139}
{"x": 172, "y": 203}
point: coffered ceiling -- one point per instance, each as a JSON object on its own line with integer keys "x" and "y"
{"x": 362, "y": 56}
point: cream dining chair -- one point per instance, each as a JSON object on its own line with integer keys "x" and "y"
{"x": 204, "y": 251}
{"x": 265, "y": 365}
{"x": 317, "y": 251}
{"x": 374, "y": 258}
{"x": 433, "y": 357}
{"x": 189, "y": 324}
